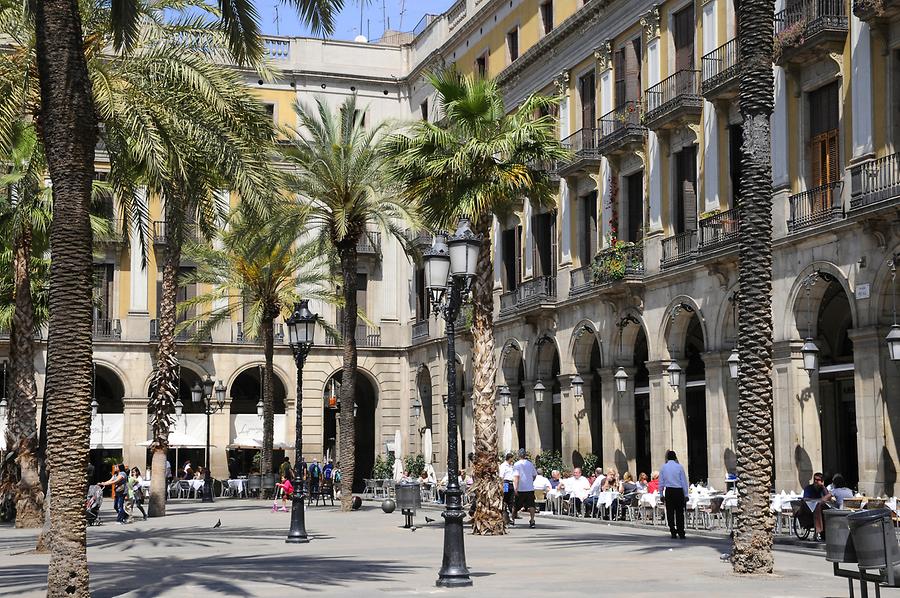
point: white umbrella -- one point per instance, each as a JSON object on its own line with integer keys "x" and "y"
{"x": 428, "y": 453}
{"x": 507, "y": 437}
{"x": 398, "y": 456}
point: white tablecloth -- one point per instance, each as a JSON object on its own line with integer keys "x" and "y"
{"x": 649, "y": 499}
{"x": 606, "y": 498}
{"x": 239, "y": 486}
{"x": 782, "y": 501}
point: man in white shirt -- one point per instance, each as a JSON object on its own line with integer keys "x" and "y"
{"x": 590, "y": 503}
{"x": 507, "y": 474}
{"x": 577, "y": 487}
{"x": 524, "y": 474}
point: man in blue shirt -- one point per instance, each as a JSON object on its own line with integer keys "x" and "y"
{"x": 673, "y": 488}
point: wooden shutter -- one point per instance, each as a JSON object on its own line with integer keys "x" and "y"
{"x": 632, "y": 57}
{"x": 554, "y": 244}
{"x": 510, "y": 260}
{"x": 690, "y": 206}
{"x": 186, "y": 292}
{"x": 587, "y": 91}
{"x": 520, "y": 267}
{"x": 684, "y": 39}
{"x": 103, "y": 280}
{"x": 735, "y": 139}
{"x": 621, "y": 90}
{"x": 635, "y": 183}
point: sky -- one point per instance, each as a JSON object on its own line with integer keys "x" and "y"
{"x": 347, "y": 26}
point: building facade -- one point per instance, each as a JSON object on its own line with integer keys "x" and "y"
{"x": 635, "y": 268}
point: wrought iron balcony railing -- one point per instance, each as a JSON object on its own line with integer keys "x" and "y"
{"x": 538, "y": 290}
{"x": 420, "y": 330}
{"x": 875, "y": 181}
{"x": 678, "y": 249}
{"x": 369, "y": 243}
{"x": 719, "y": 230}
{"x": 621, "y": 129}
{"x": 366, "y": 336}
{"x": 186, "y": 334}
{"x": 721, "y": 69}
{"x": 673, "y": 99}
{"x": 814, "y": 206}
{"x": 618, "y": 263}
{"x": 583, "y": 146}
{"x": 807, "y": 27}
{"x": 107, "y": 330}
{"x": 242, "y": 337}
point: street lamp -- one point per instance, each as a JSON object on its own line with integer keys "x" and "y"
{"x": 301, "y": 337}
{"x": 539, "y": 389}
{"x": 450, "y": 266}
{"x": 416, "y": 405}
{"x": 621, "y": 380}
{"x": 204, "y": 394}
{"x": 810, "y": 353}
{"x": 734, "y": 360}
{"x": 577, "y": 386}
{"x": 504, "y": 396}
{"x": 179, "y": 407}
{"x": 259, "y": 408}
{"x": 674, "y": 371}
{"x": 893, "y": 337}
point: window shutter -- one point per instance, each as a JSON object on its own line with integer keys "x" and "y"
{"x": 690, "y": 206}
{"x": 816, "y": 151}
{"x": 620, "y": 64}
{"x": 554, "y": 245}
{"x": 684, "y": 39}
{"x": 632, "y": 71}
{"x": 832, "y": 171}
{"x": 520, "y": 267}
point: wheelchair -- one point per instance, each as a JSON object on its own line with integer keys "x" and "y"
{"x": 803, "y": 520}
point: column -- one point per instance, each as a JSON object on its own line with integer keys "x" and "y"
{"x": 668, "y": 428}
{"x": 780, "y": 125}
{"x": 136, "y": 429}
{"x": 219, "y": 439}
{"x": 796, "y": 420}
{"x": 137, "y": 324}
{"x": 513, "y": 416}
{"x": 861, "y": 88}
{"x": 565, "y": 244}
{"x": 576, "y": 430}
{"x": 618, "y": 421}
{"x": 497, "y": 240}
{"x": 603, "y": 54}
{"x": 710, "y": 120}
{"x": 870, "y": 406}
{"x": 721, "y": 414}
{"x": 650, "y": 22}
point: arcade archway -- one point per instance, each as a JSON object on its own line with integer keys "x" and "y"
{"x": 365, "y": 404}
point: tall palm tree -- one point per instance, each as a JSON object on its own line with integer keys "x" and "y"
{"x": 338, "y": 166}
{"x": 752, "y": 552}
{"x": 479, "y": 161}
{"x": 262, "y": 270}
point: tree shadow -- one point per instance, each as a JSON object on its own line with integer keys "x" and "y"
{"x": 135, "y": 537}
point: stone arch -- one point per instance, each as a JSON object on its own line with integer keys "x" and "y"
{"x": 287, "y": 382}
{"x": 582, "y": 345}
{"x": 425, "y": 393}
{"x": 546, "y": 347}
{"x": 246, "y": 385}
{"x": 510, "y": 357}
{"x": 109, "y": 388}
{"x": 367, "y": 398}
{"x": 628, "y": 327}
{"x": 880, "y": 311}
{"x": 723, "y": 332}
{"x": 797, "y": 312}
{"x": 680, "y": 313}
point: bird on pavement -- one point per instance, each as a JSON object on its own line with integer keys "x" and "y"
{"x": 413, "y": 528}
{"x": 218, "y": 524}
{"x": 429, "y": 520}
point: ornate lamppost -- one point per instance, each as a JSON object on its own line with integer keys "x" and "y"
{"x": 301, "y": 335}
{"x": 450, "y": 267}
{"x": 204, "y": 394}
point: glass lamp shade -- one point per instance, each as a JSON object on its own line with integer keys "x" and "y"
{"x": 734, "y": 361}
{"x": 302, "y": 325}
{"x": 893, "y": 342}
{"x": 416, "y": 408}
{"x": 179, "y": 407}
{"x": 577, "y": 386}
{"x": 504, "y": 396}
{"x": 355, "y": 409}
{"x": 259, "y": 408}
{"x": 464, "y": 248}
{"x": 810, "y": 353}
{"x": 437, "y": 264}
{"x": 674, "y": 371}
{"x": 208, "y": 386}
{"x": 3, "y": 406}
{"x": 539, "y": 389}
{"x": 94, "y": 407}
{"x": 621, "y": 378}
{"x": 220, "y": 394}
{"x": 196, "y": 393}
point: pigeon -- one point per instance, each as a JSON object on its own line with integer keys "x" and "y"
{"x": 429, "y": 520}
{"x": 412, "y": 529}
{"x": 218, "y": 524}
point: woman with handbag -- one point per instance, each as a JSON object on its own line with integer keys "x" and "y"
{"x": 136, "y": 490}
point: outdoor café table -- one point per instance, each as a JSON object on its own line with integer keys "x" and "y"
{"x": 238, "y": 486}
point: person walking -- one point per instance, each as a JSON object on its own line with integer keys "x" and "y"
{"x": 524, "y": 474}
{"x": 136, "y": 490}
{"x": 284, "y": 470}
{"x": 315, "y": 473}
{"x": 673, "y": 487}
{"x": 119, "y": 482}
{"x": 507, "y": 474}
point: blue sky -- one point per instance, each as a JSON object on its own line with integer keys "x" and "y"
{"x": 348, "y": 22}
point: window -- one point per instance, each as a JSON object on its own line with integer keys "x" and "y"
{"x": 423, "y": 107}
{"x": 423, "y": 305}
{"x": 511, "y": 242}
{"x": 587, "y": 92}
{"x": 735, "y": 140}
{"x": 481, "y": 65}
{"x": 685, "y": 216}
{"x": 544, "y": 254}
{"x": 270, "y": 110}
{"x": 547, "y": 16}
{"x": 634, "y": 207}
{"x": 823, "y": 135}
{"x": 103, "y": 291}
{"x": 589, "y": 235}
{"x": 627, "y": 67}
{"x": 183, "y": 293}
{"x": 684, "y": 39}
{"x": 512, "y": 44}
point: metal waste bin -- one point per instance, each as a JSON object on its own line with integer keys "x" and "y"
{"x": 838, "y": 542}
{"x": 409, "y": 500}
{"x": 874, "y": 538}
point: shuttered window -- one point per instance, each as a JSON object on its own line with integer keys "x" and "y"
{"x": 619, "y": 72}
{"x": 634, "y": 184}
{"x": 823, "y": 131}
{"x": 735, "y": 140}
{"x": 589, "y": 237}
{"x": 685, "y": 190}
{"x": 684, "y": 39}
{"x": 627, "y": 65}
{"x": 587, "y": 92}
{"x": 103, "y": 291}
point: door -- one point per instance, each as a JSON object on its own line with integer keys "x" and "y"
{"x": 587, "y": 92}
{"x": 695, "y": 412}
{"x": 634, "y": 184}
{"x": 588, "y": 241}
{"x": 544, "y": 244}
{"x": 685, "y": 215}
{"x": 684, "y": 39}
{"x": 103, "y": 291}
{"x": 837, "y": 418}
{"x": 735, "y": 155}
{"x": 510, "y": 260}
{"x": 823, "y": 145}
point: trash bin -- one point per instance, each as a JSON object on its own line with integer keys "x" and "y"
{"x": 874, "y": 538}
{"x": 838, "y": 542}
{"x": 409, "y": 499}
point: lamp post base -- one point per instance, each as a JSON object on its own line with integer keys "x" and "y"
{"x": 207, "y": 488}
{"x": 297, "y": 534}
{"x": 453, "y": 573}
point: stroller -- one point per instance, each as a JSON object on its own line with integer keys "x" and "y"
{"x": 92, "y": 504}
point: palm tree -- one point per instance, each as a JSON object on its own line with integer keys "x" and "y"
{"x": 479, "y": 162}
{"x": 752, "y": 551}
{"x": 260, "y": 266}
{"x": 339, "y": 167}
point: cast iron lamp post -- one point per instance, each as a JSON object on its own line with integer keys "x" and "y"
{"x": 451, "y": 267}
{"x": 301, "y": 334}
{"x": 204, "y": 394}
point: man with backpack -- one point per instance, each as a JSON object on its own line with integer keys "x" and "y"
{"x": 315, "y": 474}
{"x": 119, "y": 481}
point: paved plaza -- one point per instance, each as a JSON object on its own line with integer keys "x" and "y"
{"x": 368, "y": 553}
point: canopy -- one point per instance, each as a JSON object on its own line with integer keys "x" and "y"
{"x": 507, "y": 437}
{"x": 427, "y": 449}
{"x": 398, "y": 457}
{"x": 180, "y": 440}
{"x": 107, "y": 430}
{"x": 249, "y": 442}
{"x": 3, "y": 433}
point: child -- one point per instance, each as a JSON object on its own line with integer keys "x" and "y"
{"x": 287, "y": 489}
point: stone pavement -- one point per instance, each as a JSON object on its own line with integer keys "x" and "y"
{"x": 368, "y": 553}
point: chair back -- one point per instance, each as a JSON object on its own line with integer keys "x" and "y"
{"x": 715, "y": 504}
{"x": 254, "y": 482}
{"x": 539, "y": 495}
{"x": 268, "y": 480}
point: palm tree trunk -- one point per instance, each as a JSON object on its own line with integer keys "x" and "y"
{"x": 68, "y": 125}
{"x": 164, "y": 388}
{"x": 266, "y": 333}
{"x": 488, "y": 487}
{"x": 23, "y": 408}
{"x": 347, "y": 254}
{"x": 752, "y": 551}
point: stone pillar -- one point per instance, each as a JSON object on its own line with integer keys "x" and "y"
{"x": 136, "y": 429}
{"x": 565, "y": 126}
{"x": 796, "y": 418}
{"x": 576, "y": 432}
{"x": 710, "y": 120}
{"x": 585, "y": 431}
{"x": 618, "y": 421}
{"x": 868, "y": 345}
{"x": 219, "y": 439}
{"x": 650, "y": 21}
{"x": 861, "y": 89}
{"x": 514, "y": 417}
{"x": 137, "y": 323}
{"x": 721, "y": 416}
{"x": 668, "y": 428}
{"x": 497, "y": 240}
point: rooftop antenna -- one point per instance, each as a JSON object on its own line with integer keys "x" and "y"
{"x": 402, "y": 12}
{"x": 277, "y": 22}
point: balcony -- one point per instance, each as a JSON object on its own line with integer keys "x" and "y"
{"x": 117, "y": 233}
{"x": 277, "y": 48}
{"x": 243, "y": 338}
{"x": 815, "y": 206}
{"x": 624, "y": 262}
{"x": 876, "y": 11}
{"x": 721, "y": 74}
{"x": 162, "y": 231}
{"x": 106, "y": 330}
{"x": 674, "y": 101}
{"x": 580, "y": 280}
{"x": 621, "y": 130}
{"x": 187, "y": 334}
{"x": 809, "y": 29}
{"x": 420, "y": 331}
{"x": 369, "y": 243}
{"x": 532, "y": 293}
{"x": 678, "y": 249}
{"x": 875, "y": 182}
{"x": 585, "y": 157}
{"x": 366, "y": 336}
{"x": 548, "y": 167}
{"x": 719, "y": 230}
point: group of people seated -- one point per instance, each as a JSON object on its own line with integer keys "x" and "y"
{"x": 831, "y": 496}
{"x": 584, "y": 492}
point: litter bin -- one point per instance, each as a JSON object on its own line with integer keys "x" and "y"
{"x": 838, "y": 542}
{"x": 409, "y": 500}
{"x": 876, "y": 543}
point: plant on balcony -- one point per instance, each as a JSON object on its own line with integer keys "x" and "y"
{"x": 790, "y": 37}
{"x": 613, "y": 205}
{"x": 611, "y": 263}
{"x": 710, "y": 213}
{"x": 868, "y": 8}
